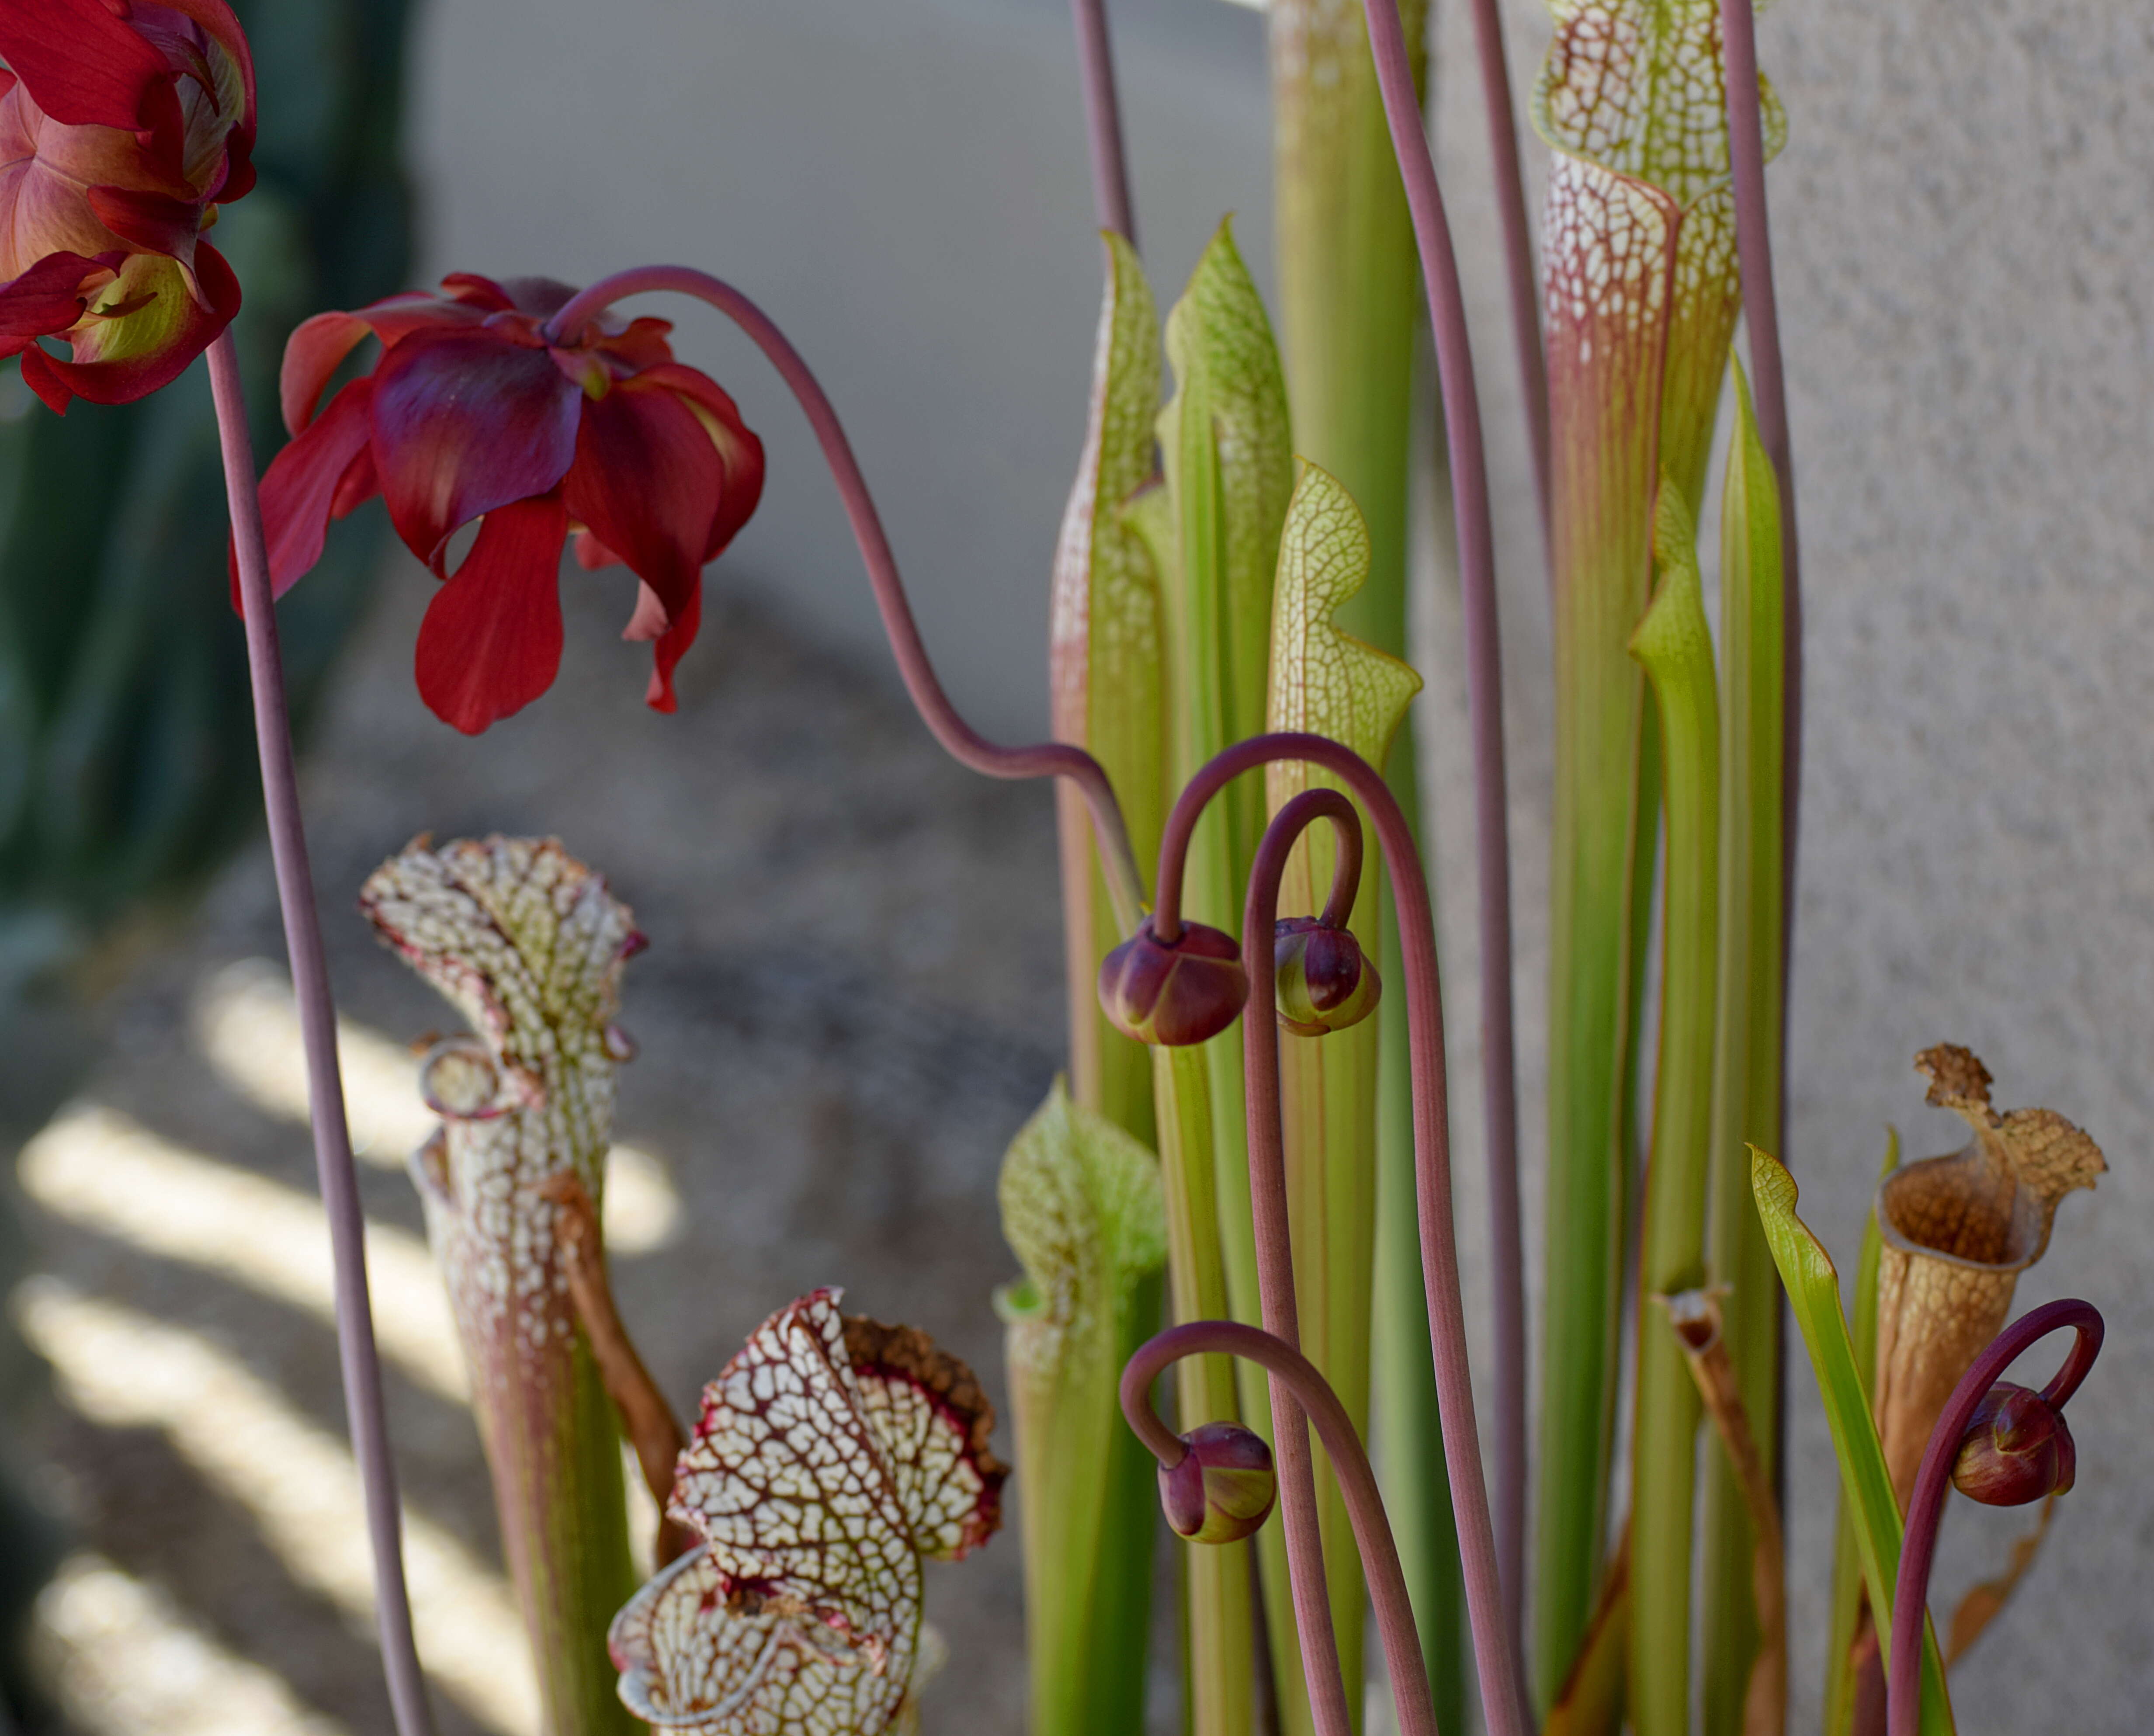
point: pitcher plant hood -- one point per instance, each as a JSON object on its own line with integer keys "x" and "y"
{"x": 470, "y": 414}
{"x": 123, "y": 126}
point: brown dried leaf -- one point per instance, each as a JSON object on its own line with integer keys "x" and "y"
{"x": 1957, "y": 1232}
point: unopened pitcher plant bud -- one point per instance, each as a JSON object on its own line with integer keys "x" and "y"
{"x": 2017, "y": 1449}
{"x": 1174, "y": 993}
{"x": 1224, "y": 1486}
{"x": 1326, "y": 981}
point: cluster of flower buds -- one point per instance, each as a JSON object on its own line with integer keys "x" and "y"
{"x": 1189, "y": 989}
{"x": 2016, "y": 1449}
{"x": 1223, "y": 1489}
{"x": 1326, "y": 983}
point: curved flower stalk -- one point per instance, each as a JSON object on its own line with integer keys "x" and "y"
{"x": 1961, "y": 1436}
{"x": 473, "y": 412}
{"x": 528, "y": 945}
{"x": 1325, "y": 682}
{"x": 963, "y": 743}
{"x": 1292, "y": 1373}
{"x": 1103, "y": 120}
{"x": 123, "y": 126}
{"x": 1957, "y": 1232}
{"x": 1494, "y": 1647}
{"x": 833, "y": 1456}
{"x": 1643, "y": 295}
{"x": 1081, "y": 1206}
{"x": 1476, "y": 575}
{"x": 1347, "y": 315}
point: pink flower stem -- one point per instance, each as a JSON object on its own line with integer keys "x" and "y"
{"x": 310, "y": 986}
{"x": 1365, "y": 1505}
{"x": 959, "y": 738}
{"x": 1754, "y": 247}
{"x": 1103, "y": 119}
{"x": 1518, "y": 242}
{"x": 1926, "y": 1507}
{"x": 1260, "y": 1053}
{"x": 1494, "y": 1649}
{"x": 1484, "y": 682}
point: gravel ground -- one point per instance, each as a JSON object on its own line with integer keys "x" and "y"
{"x": 851, "y": 1000}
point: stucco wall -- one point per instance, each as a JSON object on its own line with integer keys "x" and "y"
{"x": 1962, "y": 222}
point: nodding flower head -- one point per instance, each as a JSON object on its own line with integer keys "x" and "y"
{"x": 123, "y": 125}
{"x": 1173, "y": 993}
{"x": 1223, "y": 1489}
{"x": 476, "y": 412}
{"x": 1324, "y": 981}
{"x": 2016, "y": 1449}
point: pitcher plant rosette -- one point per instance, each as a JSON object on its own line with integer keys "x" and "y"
{"x": 1251, "y": 1147}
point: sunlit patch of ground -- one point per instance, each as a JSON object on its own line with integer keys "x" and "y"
{"x": 831, "y": 1062}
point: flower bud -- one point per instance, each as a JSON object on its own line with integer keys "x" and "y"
{"x": 1174, "y": 994}
{"x": 2016, "y": 1449}
{"x": 1224, "y": 1486}
{"x": 1324, "y": 982}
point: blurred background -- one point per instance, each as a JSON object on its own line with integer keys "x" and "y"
{"x": 1964, "y": 221}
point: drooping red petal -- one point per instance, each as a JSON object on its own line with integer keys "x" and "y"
{"x": 665, "y": 654}
{"x": 219, "y": 23}
{"x": 317, "y": 350}
{"x": 592, "y": 554}
{"x": 642, "y": 345}
{"x": 302, "y": 487}
{"x": 357, "y": 485}
{"x": 491, "y": 642}
{"x": 49, "y": 296}
{"x": 38, "y": 375}
{"x": 156, "y": 222}
{"x": 737, "y": 448}
{"x": 466, "y": 422}
{"x": 647, "y": 482}
{"x": 84, "y": 63}
{"x": 472, "y": 290}
{"x": 121, "y": 373}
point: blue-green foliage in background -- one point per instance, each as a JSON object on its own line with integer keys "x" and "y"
{"x": 127, "y": 767}
{"x": 126, "y": 759}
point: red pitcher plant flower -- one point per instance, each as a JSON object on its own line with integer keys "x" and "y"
{"x": 123, "y": 125}
{"x": 471, "y": 413}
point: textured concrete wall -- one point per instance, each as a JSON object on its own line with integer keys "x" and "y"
{"x": 1962, "y": 216}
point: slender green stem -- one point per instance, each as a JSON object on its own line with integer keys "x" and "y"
{"x": 1220, "y": 1688}
{"x": 1747, "y": 1083}
{"x": 1847, "y": 1594}
{"x": 1676, "y": 646}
